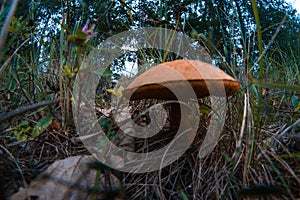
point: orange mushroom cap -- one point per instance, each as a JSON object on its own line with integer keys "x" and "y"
{"x": 157, "y": 82}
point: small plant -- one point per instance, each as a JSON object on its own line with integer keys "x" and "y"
{"x": 73, "y": 49}
{"x": 22, "y": 131}
{"x": 25, "y": 130}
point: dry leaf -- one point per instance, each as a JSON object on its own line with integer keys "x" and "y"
{"x": 70, "y": 178}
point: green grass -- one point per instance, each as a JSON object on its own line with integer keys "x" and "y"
{"x": 249, "y": 154}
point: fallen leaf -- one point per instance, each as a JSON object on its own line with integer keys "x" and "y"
{"x": 70, "y": 178}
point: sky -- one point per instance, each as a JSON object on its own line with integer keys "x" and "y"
{"x": 295, "y": 3}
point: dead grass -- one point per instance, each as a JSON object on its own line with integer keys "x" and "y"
{"x": 227, "y": 173}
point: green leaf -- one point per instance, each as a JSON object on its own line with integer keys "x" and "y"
{"x": 22, "y": 130}
{"x": 107, "y": 73}
{"x": 204, "y": 110}
{"x": 104, "y": 123}
{"x": 35, "y": 132}
{"x": 183, "y": 195}
{"x": 12, "y": 85}
{"x": 117, "y": 93}
{"x": 41, "y": 126}
{"x": 296, "y": 104}
{"x": 80, "y": 35}
{"x": 24, "y": 123}
{"x": 116, "y": 75}
{"x": 277, "y": 85}
{"x": 21, "y": 137}
{"x": 44, "y": 122}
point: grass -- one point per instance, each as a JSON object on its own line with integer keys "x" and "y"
{"x": 253, "y": 159}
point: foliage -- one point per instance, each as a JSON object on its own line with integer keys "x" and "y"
{"x": 256, "y": 41}
{"x": 24, "y": 130}
{"x": 21, "y": 131}
{"x": 41, "y": 126}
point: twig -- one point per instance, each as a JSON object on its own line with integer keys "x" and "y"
{"x": 16, "y": 163}
{"x": 11, "y": 114}
{"x": 287, "y": 129}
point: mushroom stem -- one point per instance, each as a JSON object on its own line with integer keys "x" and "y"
{"x": 175, "y": 114}
{"x": 176, "y": 111}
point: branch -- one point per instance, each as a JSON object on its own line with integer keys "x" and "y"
{"x": 11, "y": 114}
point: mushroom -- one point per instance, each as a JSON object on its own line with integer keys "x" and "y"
{"x": 184, "y": 78}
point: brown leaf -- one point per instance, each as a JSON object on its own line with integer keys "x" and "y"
{"x": 70, "y": 178}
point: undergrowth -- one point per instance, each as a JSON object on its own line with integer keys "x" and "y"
{"x": 257, "y": 155}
